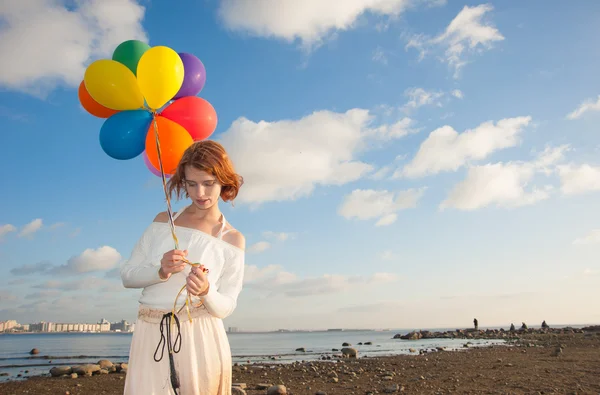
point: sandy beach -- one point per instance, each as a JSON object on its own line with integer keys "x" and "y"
{"x": 567, "y": 362}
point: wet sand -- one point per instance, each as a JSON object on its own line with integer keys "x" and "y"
{"x": 566, "y": 363}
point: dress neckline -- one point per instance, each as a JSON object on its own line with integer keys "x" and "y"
{"x": 204, "y": 234}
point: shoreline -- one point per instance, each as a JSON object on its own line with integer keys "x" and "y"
{"x": 536, "y": 362}
{"x": 473, "y": 339}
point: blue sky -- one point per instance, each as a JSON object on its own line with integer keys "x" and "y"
{"x": 408, "y": 163}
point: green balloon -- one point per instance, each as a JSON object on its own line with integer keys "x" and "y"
{"x": 129, "y": 53}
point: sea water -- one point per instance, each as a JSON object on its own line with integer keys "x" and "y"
{"x": 269, "y": 347}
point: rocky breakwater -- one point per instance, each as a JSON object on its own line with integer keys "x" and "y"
{"x": 103, "y": 366}
{"x": 501, "y": 333}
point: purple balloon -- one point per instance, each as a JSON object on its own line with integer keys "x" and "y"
{"x": 151, "y": 167}
{"x": 194, "y": 76}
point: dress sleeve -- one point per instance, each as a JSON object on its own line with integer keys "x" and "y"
{"x": 222, "y": 302}
{"x": 138, "y": 271}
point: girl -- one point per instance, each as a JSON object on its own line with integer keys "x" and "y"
{"x": 171, "y": 354}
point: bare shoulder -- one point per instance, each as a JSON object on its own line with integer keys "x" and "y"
{"x": 162, "y": 217}
{"x": 235, "y": 238}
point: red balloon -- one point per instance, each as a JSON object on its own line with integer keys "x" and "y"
{"x": 195, "y": 114}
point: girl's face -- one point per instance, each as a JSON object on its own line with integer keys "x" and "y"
{"x": 202, "y": 188}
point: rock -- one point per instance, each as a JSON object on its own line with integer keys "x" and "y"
{"x": 86, "y": 369}
{"x": 392, "y": 388}
{"x": 368, "y": 343}
{"x": 321, "y": 393}
{"x": 241, "y": 385}
{"x": 3, "y": 374}
{"x": 346, "y": 345}
{"x": 105, "y": 364}
{"x": 277, "y": 390}
{"x": 237, "y": 391}
{"x": 262, "y": 386}
{"x": 301, "y": 349}
{"x": 34, "y": 351}
{"x": 58, "y": 371}
{"x": 74, "y": 376}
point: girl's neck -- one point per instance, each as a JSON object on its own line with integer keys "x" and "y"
{"x": 212, "y": 213}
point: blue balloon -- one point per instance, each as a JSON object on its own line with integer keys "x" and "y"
{"x": 123, "y": 135}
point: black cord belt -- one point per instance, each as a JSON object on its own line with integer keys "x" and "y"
{"x": 165, "y": 322}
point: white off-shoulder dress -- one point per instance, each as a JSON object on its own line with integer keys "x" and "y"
{"x": 202, "y": 357}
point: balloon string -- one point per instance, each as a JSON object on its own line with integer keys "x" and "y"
{"x": 164, "y": 182}
{"x": 188, "y": 300}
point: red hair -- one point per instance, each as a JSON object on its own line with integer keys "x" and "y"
{"x": 211, "y": 157}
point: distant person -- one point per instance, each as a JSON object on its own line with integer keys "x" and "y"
{"x": 476, "y": 324}
{"x": 524, "y": 326}
{"x": 200, "y": 361}
{"x": 512, "y": 327}
{"x": 544, "y": 325}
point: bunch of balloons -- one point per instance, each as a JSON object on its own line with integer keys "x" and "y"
{"x": 148, "y": 97}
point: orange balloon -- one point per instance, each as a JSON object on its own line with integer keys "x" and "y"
{"x": 173, "y": 139}
{"x": 91, "y": 105}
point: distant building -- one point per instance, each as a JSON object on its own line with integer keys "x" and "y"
{"x": 9, "y": 325}
{"x": 101, "y": 326}
{"x": 233, "y": 329}
{"x": 122, "y": 326}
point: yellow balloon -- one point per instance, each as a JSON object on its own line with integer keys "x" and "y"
{"x": 113, "y": 85}
{"x": 160, "y": 75}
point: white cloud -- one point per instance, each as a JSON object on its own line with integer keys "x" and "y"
{"x": 254, "y": 273}
{"x": 593, "y": 237}
{"x": 467, "y": 32}
{"x": 396, "y": 130}
{"x": 45, "y": 43}
{"x": 90, "y": 260}
{"x": 380, "y": 56}
{"x": 278, "y": 236}
{"x": 381, "y": 173}
{"x": 457, "y": 93}
{"x": 579, "y": 179}
{"x": 6, "y": 229}
{"x": 586, "y": 106}
{"x": 57, "y": 225}
{"x": 499, "y": 183}
{"x": 387, "y": 219}
{"x": 275, "y": 281}
{"x": 369, "y": 204}
{"x": 504, "y": 184}
{"x": 309, "y": 21}
{"x": 287, "y": 159}
{"x": 447, "y": 150}
{"x": 419, "y": 97}
{"x": 261, "y": 246}
{"x": 31, "y": 228}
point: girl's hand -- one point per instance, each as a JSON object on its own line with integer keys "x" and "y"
{"x": 197, "y": 282}
{"x": 172, "y": 262}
